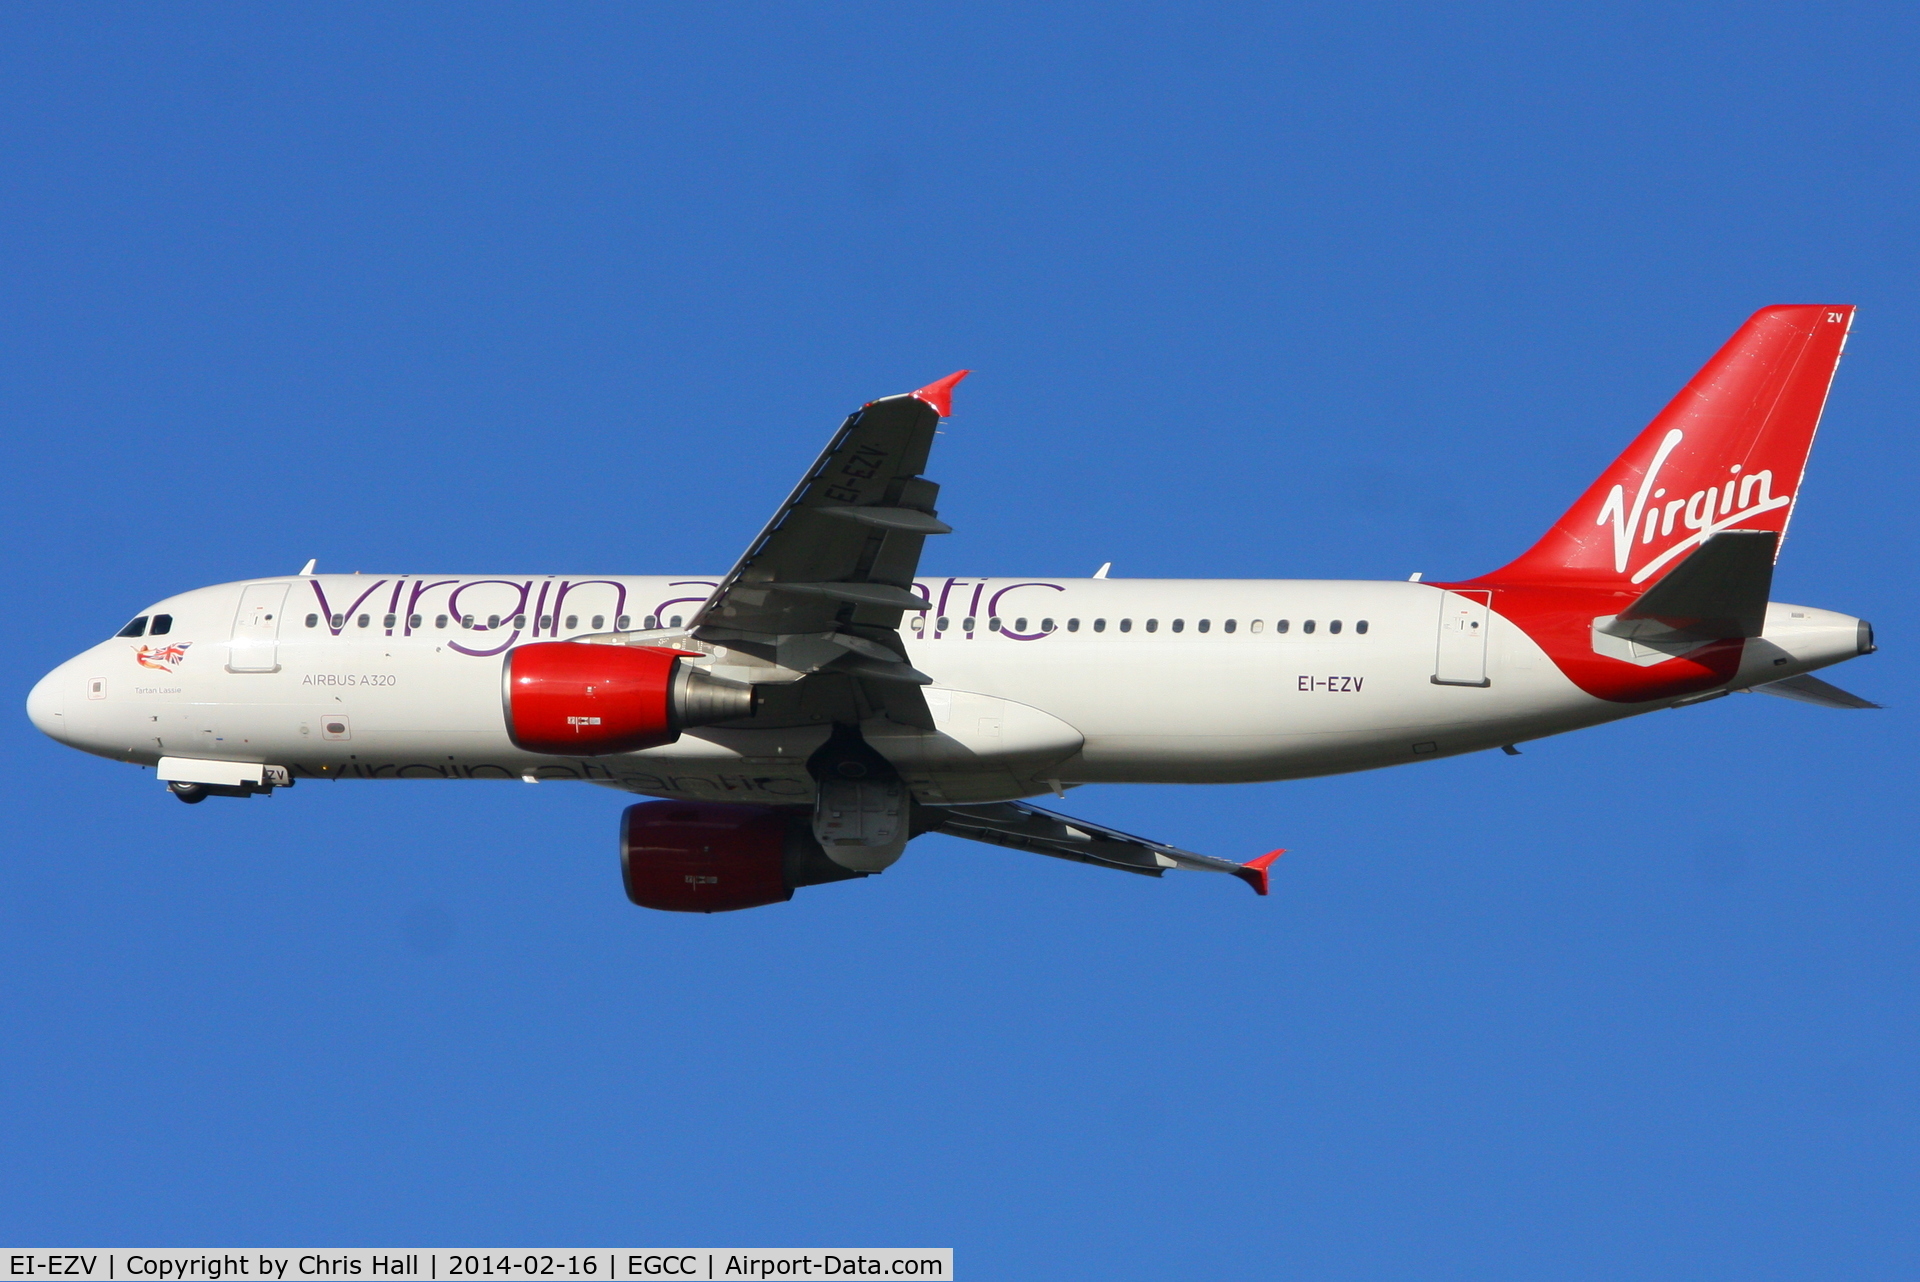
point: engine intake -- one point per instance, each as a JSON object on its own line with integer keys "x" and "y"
{"x": 714, "y": 857}
{"x": 576, "y": 699}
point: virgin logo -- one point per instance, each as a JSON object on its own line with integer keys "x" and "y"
{"x": 1705, "y": 511}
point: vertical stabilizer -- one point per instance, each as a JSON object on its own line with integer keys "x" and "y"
{"x": 1727, "y": 453}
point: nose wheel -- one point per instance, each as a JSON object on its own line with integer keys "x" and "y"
{"x": 191, "y": 793}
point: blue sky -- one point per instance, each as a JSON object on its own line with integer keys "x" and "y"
{"x": 1252, "y": 291}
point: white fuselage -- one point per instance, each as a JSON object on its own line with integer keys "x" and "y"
{"x": 1055, "y": 682}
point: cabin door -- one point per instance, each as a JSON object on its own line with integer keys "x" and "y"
{"x": 256, "y": 629}
{"x": 1461, "y": 659}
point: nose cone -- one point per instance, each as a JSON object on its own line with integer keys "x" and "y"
{"x": 46, "y": 705}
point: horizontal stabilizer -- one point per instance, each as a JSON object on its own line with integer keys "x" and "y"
{"x": 1024, "y": 827}
{"x": 1718, "y": 593}
{"x": 1811, "y": 689}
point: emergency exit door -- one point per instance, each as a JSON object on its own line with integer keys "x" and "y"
{"x": 1461, "y": 659}
{"x": 256, "y": 629}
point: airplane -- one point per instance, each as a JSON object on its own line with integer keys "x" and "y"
{"x": 799, "y": 719}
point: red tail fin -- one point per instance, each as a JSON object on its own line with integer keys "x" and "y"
{"x": 1727, "y": 453}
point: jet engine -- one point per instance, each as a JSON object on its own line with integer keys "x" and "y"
{"x": 577, "y": 699}
{"x": 713, "y": 857}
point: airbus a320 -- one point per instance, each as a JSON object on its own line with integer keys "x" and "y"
{"x": 799, "y": 719}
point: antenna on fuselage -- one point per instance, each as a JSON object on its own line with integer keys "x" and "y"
{"x": 306, "y": 571}
{"x": 1101, "y": 573}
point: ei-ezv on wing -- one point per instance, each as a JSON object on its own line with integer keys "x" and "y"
{"x": 802, "y": 717}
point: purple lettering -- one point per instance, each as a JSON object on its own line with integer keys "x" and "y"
{"x": 453, "y": 607}
{"x": 560, "y": 599}
{"x": 326, "y": 611}
{"x": 993, "y": 608}
{"x": 660, "y": 611}
{"x": 420, "y": 588}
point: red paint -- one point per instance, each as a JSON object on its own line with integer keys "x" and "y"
{"x": 1560, "y": 621}
{"x": 580, "y": 700}
{"x": 1254, "y": 871}
{"x": 940, "y": 394}
{"x": 1752, "y": 409}
{"x": 703, "y": 856}
{"x": 1727, "y": 453}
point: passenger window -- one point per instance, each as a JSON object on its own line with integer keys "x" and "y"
{"x": 313, "y": 620}
{"x": 1228, "y": 626}
{"x": 1073, "y": 625}
{"x": 1204, "y": 624}
{"x": 573, "y": 621}
{"x": 1255, "y": 626}
{"x": 1307, "y": 626}
{"x": 1126, "y": 625}
{"x": 364, "y": 620}
{"x": 942, "y": 623}
{"x": 1153, "y": 625}
{"x": 413, "y": 620}
{"x": 1019, "y": 625}
{"x": 1179, "y": 625}
{"x": 1099, "y": 625}
{"x": 993, "y": 624}
{"x": 546, "y": 621}
{"x": 1361, "y": 627}
{"x": 138, "y": 628}
{"x": 622, "y": 622}
{"x": 1046, "y": 625}
{"x": 599, "y": 621}
{"x": 391, "y": 619}
{"x": 1334, "y": 627}
{"x": 493, "y": 621}
{"x": 675, "y": 621}
{"x": 440, "y": 621}
{"x": 466, "y": 620}
{"x": 918, "y": 623}
{"x": 652, "y": 622}
{"x": 519, "y": 621}
{"x": 163, "y": 624}
{"x": 966, "y": 625}
{"x": 339, "y": 621}
{"x": 1281, "y": 625}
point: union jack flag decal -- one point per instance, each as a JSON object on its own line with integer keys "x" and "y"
{"x": 161, "y": 659}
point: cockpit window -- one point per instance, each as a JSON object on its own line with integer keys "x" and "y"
{"x": 138, "y": 628}
{"x": 162, "y": 624}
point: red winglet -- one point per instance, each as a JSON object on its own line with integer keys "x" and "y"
{"x": 940, "y": 394}
{"x": 1254, "y": 871}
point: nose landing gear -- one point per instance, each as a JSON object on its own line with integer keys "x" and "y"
{"x": 221, "y": 779}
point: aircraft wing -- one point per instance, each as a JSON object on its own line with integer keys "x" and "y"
{"x": 824, "y": 585}
{"x": 1024, "y": 827}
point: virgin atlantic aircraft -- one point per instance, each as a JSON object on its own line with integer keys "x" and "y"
{"x": 805, "y": 715}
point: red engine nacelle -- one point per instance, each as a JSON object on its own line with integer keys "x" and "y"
{"x": 581, "y": 700}
{"x": 713, "y": 857}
